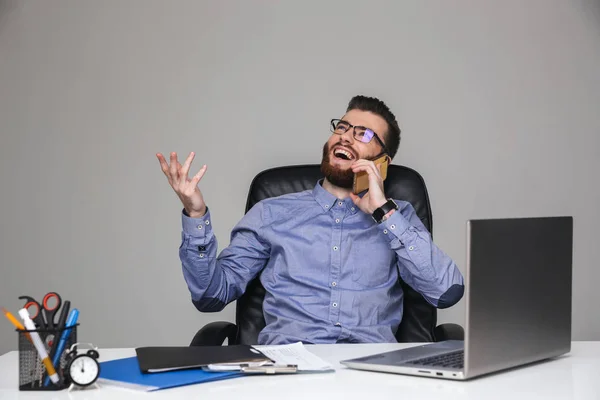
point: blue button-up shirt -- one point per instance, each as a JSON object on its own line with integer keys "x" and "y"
{"x": 330, "y": 272}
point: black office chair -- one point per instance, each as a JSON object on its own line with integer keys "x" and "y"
{"x": 419, "y": 319}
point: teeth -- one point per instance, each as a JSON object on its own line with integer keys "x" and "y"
{"x": 344, "y": 152}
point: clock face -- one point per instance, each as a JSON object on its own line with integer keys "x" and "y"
{"x": 84, "y": 370}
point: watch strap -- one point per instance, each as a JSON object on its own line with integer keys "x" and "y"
{"x": 380, "y": 212}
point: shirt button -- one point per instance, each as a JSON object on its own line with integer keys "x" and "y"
{"x": 201, "y": 255}
{"x": 207, "y": 222}
{"x": 392, "y": 226}
{"x": 352, "y": 209}
{"x": 340, "y": 204}
{"x": 411, "y": 247}
{"x": 338, "y": 324}
{"x": 385, "y": 231}
{"x": 337, "y": 220}
{"x": 333, "y": 283}
{"x": 334, "y": 305}
{"x": 326, "y": 206}
{"x": 335, "y": 248}
{"x": 199, "y": 227}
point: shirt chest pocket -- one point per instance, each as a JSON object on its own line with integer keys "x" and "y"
{"x": 373, "y": 263}
{"x": 302, "y": 268}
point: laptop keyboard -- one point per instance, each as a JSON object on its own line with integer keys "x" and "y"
{"x": 455, "y": 359}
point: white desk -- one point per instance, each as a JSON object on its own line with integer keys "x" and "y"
{"x": 573, "y": 376}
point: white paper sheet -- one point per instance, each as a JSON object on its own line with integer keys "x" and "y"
{"x": 295, "y": 354}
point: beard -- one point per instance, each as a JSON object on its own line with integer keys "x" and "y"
{"x": 343, "y": 178}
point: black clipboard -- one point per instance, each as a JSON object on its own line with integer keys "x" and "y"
{"x": 162, "y": 359}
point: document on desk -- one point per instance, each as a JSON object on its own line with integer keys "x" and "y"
{"x": 291, "y": 357}
{"x": 295, "y": 354}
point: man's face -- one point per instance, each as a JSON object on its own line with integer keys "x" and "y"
{"x": 341, "y": 151}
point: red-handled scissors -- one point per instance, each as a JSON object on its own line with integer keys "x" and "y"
{"x": 44, "y": 313}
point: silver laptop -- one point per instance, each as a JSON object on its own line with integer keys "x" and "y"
{"x": 518, "y": 303}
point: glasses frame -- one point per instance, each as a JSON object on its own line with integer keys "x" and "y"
{"x": 336, "y": 121}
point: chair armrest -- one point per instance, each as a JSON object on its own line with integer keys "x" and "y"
{"x": 214, "y": 334}
{"x": 449, "y": 332}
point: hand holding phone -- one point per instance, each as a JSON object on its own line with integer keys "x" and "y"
{"x": 361, "y": 179}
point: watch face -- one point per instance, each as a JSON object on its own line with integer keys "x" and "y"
{"x": 84, "y": 370}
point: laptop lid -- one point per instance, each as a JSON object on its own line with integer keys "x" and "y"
{"x": 518, "y": 297}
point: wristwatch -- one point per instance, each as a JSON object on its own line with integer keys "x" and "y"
{"x": 380, "y": 212}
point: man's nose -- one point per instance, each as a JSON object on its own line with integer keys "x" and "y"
{"x": 348, "y": 136}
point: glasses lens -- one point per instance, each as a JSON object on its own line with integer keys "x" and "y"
{"x": 363, "y": 134}
{"x": 339, "y": 126}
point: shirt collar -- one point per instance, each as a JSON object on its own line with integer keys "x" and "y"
{"x": 327, "y": 201}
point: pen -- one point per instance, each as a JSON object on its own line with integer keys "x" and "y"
{"x": 71, "y": 321}
{"x": 62, "y": 320}
{"x": 270, "y": 369}
{"x": 15, "y": 322}
{"x": 37, "y": 342}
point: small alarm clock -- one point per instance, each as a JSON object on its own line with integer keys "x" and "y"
{"x": 82, "y": 369}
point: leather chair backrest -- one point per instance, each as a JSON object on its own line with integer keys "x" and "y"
{"x": 402, "y": 183}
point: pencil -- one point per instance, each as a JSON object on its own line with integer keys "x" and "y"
{"x": 15, "y": 322}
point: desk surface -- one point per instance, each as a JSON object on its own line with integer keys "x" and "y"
{"x": 573, "y": 376}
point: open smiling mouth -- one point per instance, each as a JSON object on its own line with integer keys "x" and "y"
{"x": 343, "y": 154}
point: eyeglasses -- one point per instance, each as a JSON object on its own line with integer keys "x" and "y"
{"x": 360, "y": 133}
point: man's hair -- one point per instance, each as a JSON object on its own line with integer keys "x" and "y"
{"x": 376, "y": 106}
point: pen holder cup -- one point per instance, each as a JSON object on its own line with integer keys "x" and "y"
{"x": 32, "y": 371}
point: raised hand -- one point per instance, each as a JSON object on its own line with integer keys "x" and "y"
{"x": 186, "y": 189}
{"x": 375, "y": 197}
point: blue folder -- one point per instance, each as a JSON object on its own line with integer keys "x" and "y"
{"x": 126, "y": 373}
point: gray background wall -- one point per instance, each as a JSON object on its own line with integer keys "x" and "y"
{"x": 498, "y": 102}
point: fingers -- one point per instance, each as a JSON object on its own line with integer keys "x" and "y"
{"x": 186, "y": 165}
{"x": 163, "y": 164}
{"x": 198, "y": 176}
{"x": 179, "y": 174}
{"x": 369, "y": 163}
{"x": 375, "y": 179}
{"x": 173, "y": 167}
{"x": 176, "y": 173}
{"x": 367, "y": 166}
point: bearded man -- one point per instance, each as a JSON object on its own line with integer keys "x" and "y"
{"x": 329, "y": 259}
